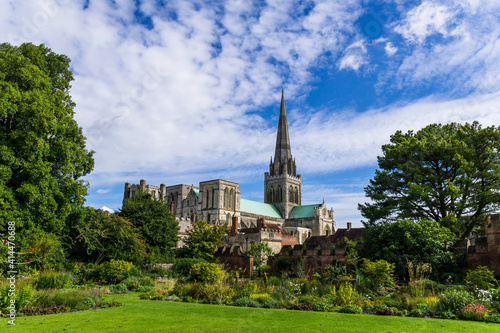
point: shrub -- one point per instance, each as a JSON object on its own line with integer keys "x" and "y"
{"x": 422, "y": 310}
{"x": 212, "y": 293}
{"x": 72, "y": 299}
{"x": 454, "y": 300}
{"x": 156, "y": 271}
{"x": 283, "y": 295}
{"x": 143, "y": 289}
{"x": 289, "y": 266}
{"x": 495, "y": 318}
{"x": 354, "y": 309}
{"x": 134, "y": 283}
{"x": 274, "y": 280}
{"x": 322, "y": 306}
{"x": 182, "y": 267}
{"x": 388, "y": 312}
{"x": 118, "y": 288}
{"x": 474, "y": 312}
{"x": 371, "y": 306}
{"x": 261, "y": 298}
{"x": 331, "y": 274}
{"x": 165, "y": 283}
{"x": 115, "y": 270}
{"x": 205, "y": 272}
{"x": 345, "y": 294}
{"x": 156, "y": 295}
{"x": 378, "y": 273}
{"x": 271, "y": 304}
{"x": 247, "y": 289}
{"x": 308, "y": 299}
{"x": 481, "y": 277}
{"x": 54, "y": 280}
{"x": 246, "y": 302}
{"x": 24, "y": 295}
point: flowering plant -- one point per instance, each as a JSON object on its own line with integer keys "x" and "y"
{"x": 474, "y": 312}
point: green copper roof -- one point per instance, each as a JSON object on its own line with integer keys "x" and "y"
{"x": 300, "y": 212}
{"x": 196, "y": 191}
{"x": 259, "y": 208}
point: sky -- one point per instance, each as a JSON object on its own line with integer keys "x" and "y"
{"x": 186, "y": 91}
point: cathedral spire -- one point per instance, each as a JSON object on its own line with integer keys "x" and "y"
{"x": 282, "y": 152}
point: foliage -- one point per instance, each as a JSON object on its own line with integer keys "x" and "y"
{"x": 481, "y": 277}
{"x": 445, "y": 173}
{"x": 332, "y": 273}
{"x": 42, "y": 250}
{"x": 354, "y": 309}
{"x": 322, "y": 306}
{"x": 32, "y": 311}
{"x": 205, "y": 272}
{"x": 345, "y": 294}
{"x": 246, "y": 302}
{"x": 42, "y": 150}
{"x": 289, "y": 266}
{"x": 107, "y": 236}
{"x": 202, "y": 240}
{"x": 283, "y": 295}
{"x": 115, "y": 270}
{"x": 72, "y": 299}
{"x": 182, "y": 267}
{"x": 54, "y": 280}
{"x": 454, "y": 300}
{"x": 417, "y": 274}
{"x": 403, "y": 241}
{"x": 156, "y": 295}
{"x": 301, "y": 307}
{"x": 134, "y": 282}
{"x": 259, "y": 252}
{"x": 118, "y": 288}
{"x": 378, "y": 274}
{"x": 24, "y": 295}
{"x": 474, "y": 312}
{"x": 261, "y": 298}
{"x": 271, "y": 304}
{"x": 165, "y": 283}
{"x": 156, "y": 223}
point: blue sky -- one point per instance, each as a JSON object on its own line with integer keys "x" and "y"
{"x": 185, "y": 91}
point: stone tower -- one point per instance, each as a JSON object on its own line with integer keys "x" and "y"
{"x": 282, "y": 185}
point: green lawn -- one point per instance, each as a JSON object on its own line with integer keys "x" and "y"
{"x": 161, "y": 316}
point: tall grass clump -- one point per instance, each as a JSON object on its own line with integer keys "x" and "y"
{"x": 54, "y": 280}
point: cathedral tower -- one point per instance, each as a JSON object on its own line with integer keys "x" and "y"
{"x": 282, "y": 185}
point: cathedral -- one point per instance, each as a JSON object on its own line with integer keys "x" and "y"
{"x": 281, "y": 216}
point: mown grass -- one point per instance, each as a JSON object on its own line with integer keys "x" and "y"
{"x": 161, "y": 316}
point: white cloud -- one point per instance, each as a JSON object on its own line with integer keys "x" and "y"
{"x": 354, "y": 56}
{"x": 425, "y": 20}
{"x": 107, "y": 209}
{"x": 390, "y": 50}
{"x": 102, "y": 191}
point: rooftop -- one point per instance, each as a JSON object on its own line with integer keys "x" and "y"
{"x": 300, "y": 212}
{"x": 259, "y": 208}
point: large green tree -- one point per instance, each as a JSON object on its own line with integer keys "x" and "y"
{"x": 202, "y": 240}
{"x": 419, "y": 242}
{"x": 155, "y": 222}
{"x": 102, "y": 236}
{"x": 446, "y": 173}
{"x": 42, "y": 150}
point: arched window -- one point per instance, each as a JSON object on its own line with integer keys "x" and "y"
{"x": 290, "y": 194}
{"x": 230, "y": 199}
{"x": 213, "y": 198}
{"x": 208, "y": 197}
{"x": 227, "y": 218}
{"x": 225, "y": 198}
{"x": 296, "y": 195}
{"x": 208, "y": 218}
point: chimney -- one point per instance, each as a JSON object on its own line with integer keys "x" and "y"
{"x": 349, "y": 225}
{"x": 260, "y": 223}
{"x": 234, "y": 226}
